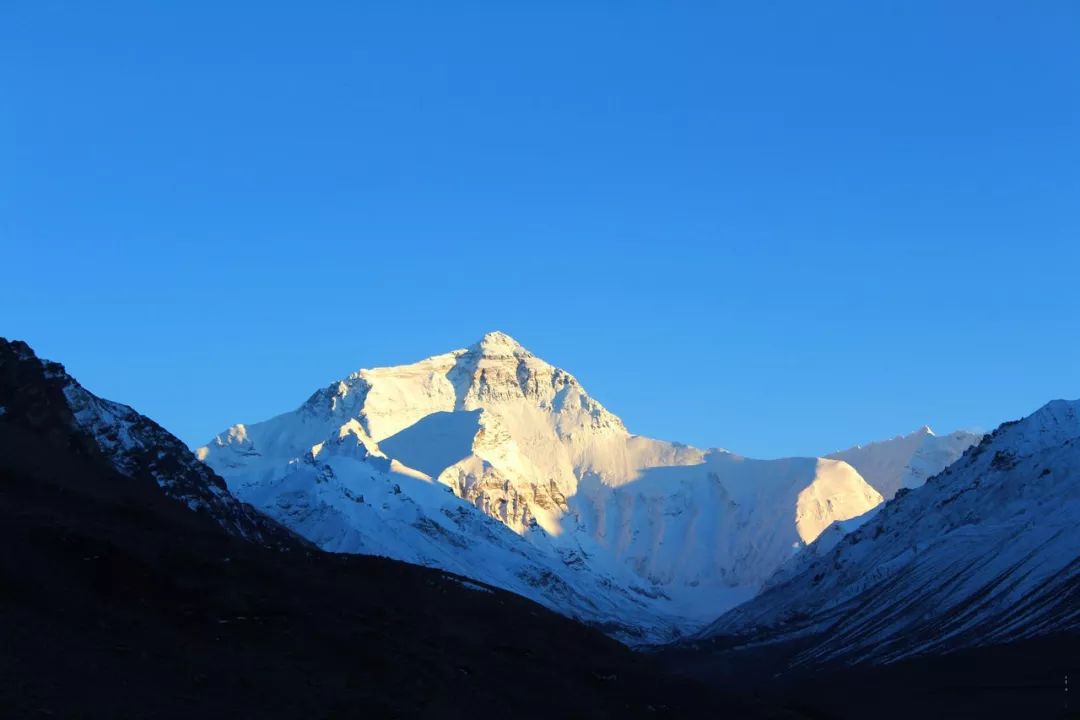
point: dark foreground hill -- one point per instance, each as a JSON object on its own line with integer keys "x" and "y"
{"x": 118, "y": 600}
{"x": 1024, "y": 679}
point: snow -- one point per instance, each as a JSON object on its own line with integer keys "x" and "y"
{"x": 435, "y": 442}
{"x": 469, "y": 585}
{"x": 903, "y": 462}
{"x": 906, "y": 461}
{"x": 490, "y": 463}
{"x": 985, "y": 552}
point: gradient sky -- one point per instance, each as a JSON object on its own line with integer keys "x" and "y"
{"x": 780, "y": 228}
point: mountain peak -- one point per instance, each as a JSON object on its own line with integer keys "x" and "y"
{"x": 498, "y": 343}
{"x": 1060, "y": 408}
{"x": 1056, "y": 422}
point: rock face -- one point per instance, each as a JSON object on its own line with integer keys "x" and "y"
{"x": 42, "y": 397}
{"x": 986, "y": 552}
{"x": 492, "y": 463}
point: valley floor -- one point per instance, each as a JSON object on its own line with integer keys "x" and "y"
{"x": 1020, "y": 680}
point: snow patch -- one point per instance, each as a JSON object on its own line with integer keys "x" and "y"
{"x": 468, "y": 585}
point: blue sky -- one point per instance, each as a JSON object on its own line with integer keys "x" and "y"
{"x": 781, "y": 228}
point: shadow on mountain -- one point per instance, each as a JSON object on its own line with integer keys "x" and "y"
{"x": 434, "y": 442}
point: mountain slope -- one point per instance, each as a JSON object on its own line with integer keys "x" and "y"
{"x": 41, "y": 392}
{"x": 490, "y": 462}
{"x": 986, "y": 552}
{"x": 119, "y": 598}
{"x": 903, "y": 463}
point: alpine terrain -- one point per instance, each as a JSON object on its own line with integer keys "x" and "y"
{"x": 489, "y": 462}
{"x": 133, "y": 585}
{"x": 903, "y": 463}
{"x": 906, "y": 461}
{"x": 985, "y": 553}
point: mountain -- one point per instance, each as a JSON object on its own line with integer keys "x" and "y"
{"x": 986, "y": 552}
{"x": 41, "y": 393}
{"x": 906, "y": 461}
{"x": 492, "y": 463}
{"x": 131, "y": 586}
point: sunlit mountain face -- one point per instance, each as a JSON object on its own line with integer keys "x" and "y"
{"x": 490, "y": 462}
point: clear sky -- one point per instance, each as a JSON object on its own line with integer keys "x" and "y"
{"x": 780, "y": 228}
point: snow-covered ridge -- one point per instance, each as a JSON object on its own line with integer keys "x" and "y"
{"x": 906, "y": 461}
{"x": 985, "y": 552}
{"x": 134, "y": 445}
{"x": 492, "y": 463}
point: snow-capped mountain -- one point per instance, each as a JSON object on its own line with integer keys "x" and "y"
{"x": 125, "y": 593}
{"x": 906, "y": 461}
{"x": 986, "y": 552}
{"x": 43, "y": 395}
{"x": 492, "y": 463}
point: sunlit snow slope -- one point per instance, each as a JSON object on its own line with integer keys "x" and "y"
{"x": 490, "y": 462}
{"x": 906, "y": 461}
{"x": 988, "y": 551}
